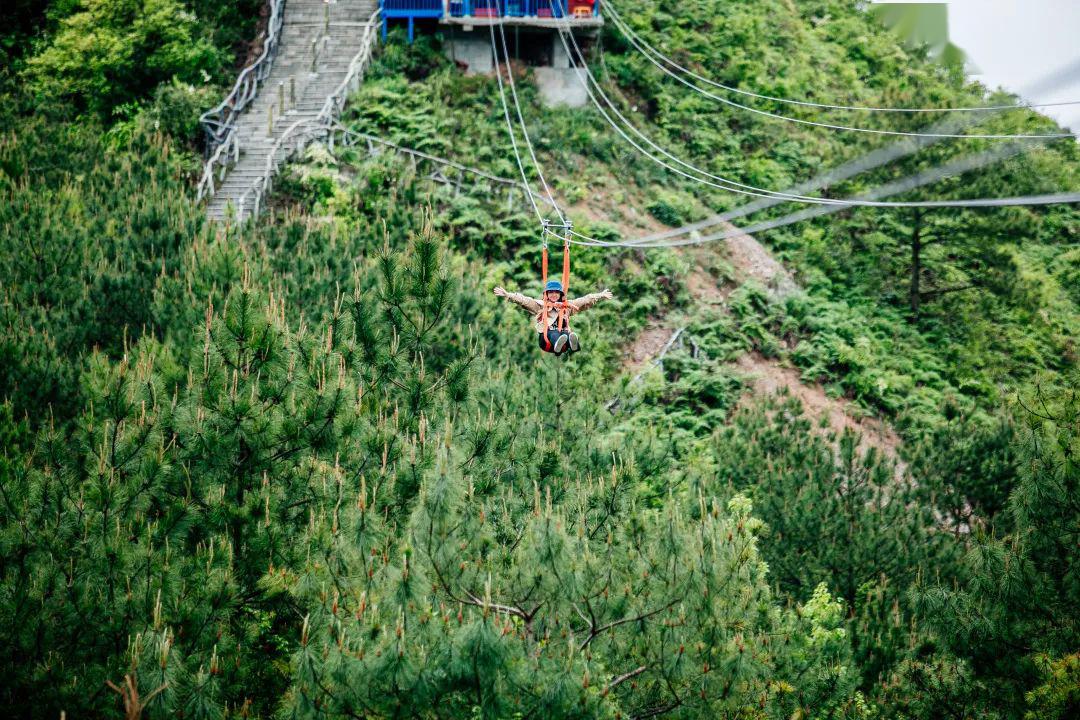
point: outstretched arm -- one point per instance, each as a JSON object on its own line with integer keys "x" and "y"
{"x": 587, "y": 301}
{"x": 530, "y": 304}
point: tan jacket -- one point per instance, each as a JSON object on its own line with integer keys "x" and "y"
{"x": 535, "y": 308}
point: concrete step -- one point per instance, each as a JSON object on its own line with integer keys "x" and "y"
{"x": 305, "y": 91}
{"x": 244, "y": 176}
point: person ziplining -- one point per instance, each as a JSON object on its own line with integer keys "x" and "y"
{"x": 552, "y": 311}
{"x": 552, "y": 314}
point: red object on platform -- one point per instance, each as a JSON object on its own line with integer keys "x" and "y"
{"x": 579, "y": 8}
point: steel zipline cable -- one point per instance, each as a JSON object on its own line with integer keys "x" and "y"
{"x": 882, "y": 156}
{"x": 961, "y": 165}
{"x": 956, "y": 167}
{"x": 545, "y": 230}
{"x": 710, "y": 179}
{"x": 865, "y": 200}
{"x": 513, "y": 136}
{"x": 609, "y": 10}
{"x": 725, "y": 184}
{"x": 627, "y": 32}
{"x": 836, "y": 205}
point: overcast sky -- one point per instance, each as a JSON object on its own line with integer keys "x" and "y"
{"x": 1016, "y": 42}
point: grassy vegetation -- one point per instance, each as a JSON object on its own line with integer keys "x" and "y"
{"x": 310, "y": 467}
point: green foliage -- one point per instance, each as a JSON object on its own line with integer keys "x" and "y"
{"x": 1017, "y": 605}
{"x": 172, "y": 505}
{"x": 511, "y": 601}
{"x": 19, "y": 20}
{"x": 176, "y": 108}
{"x": 111, "y": 51}
{"x": 82, "y": 243}
{"x": 1059, "y": 695}
{"x": 970, "y": 462}
{"x": 307, "y": 467}
{"x": 849, "y": 518}
{"x": 669, "y": 209}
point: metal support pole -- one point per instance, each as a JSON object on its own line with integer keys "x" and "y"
{"x": 281, "y": 98}
{"x": 270, "y": 121}
{"x": 326, "y": 16}
{"x": 292, "y": 91}
{"x": 314, "y": 53}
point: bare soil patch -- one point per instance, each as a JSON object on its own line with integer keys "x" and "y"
{"x": 754, "y": 262}
{"x": 646, "y": 346}
{"x": 750, "y": 260}
{"x": 768, "y": 377}
{"x": 704, "y": 288}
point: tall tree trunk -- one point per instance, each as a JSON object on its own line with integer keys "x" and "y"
{"x": 914, "y": 291}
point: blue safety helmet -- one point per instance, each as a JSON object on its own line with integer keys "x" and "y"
{"x": 553, "y": 285}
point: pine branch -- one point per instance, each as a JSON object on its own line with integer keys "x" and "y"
{"x": 133, "y": 706}
{"x": 471, "y": 599}
{"x": 945, "y": 291}
{"x": 660, "y": 710}
{"x": 594, "y": 631}
{"x": 497, "y": 607}
{"x": 626, "y": 676}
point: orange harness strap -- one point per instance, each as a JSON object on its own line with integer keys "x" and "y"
{"x": 564, "y": 310}
{"x": 563, "y": 307}
{"x": 543, "y": 284}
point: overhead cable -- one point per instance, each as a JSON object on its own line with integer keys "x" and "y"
{"x": 902, "y": 148}
{"x": 717, "y": 181}
{"x": 832, "y": 126}
{"x": 859, "y": 201}
{"x": 517, "y": 108}
{"x": 513, "y": 136}
{"x": 609, "y": 10}
{"x": 956, "y": 167}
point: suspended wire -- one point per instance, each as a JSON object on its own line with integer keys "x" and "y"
{"x": 832, "y": 126}
{"x": 836, "y": 205}
{"x": 513, "y": 136}
{"x": 903, "y": 147}
{"x": 956, "y": 167}
{"x": 740, "y": 187}
{"x": 610, "y": 11}
{"x": 721, "y": 182}
{"x": 805, "y": 214}
{"x": 517, "y": 108}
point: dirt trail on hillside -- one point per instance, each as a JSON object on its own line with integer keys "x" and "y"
{"x": 767, "y": 377}
{"x": 751, "y": 261}
{"x": 647, "y": 346}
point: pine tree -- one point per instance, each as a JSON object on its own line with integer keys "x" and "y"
{"x": 837, "y": 513}
{"x": 500, "y": 603}
{"x": 1014, "y": 617}
{"x": 159, "y": 519}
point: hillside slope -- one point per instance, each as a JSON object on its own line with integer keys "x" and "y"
{"x": 311, "y": 467}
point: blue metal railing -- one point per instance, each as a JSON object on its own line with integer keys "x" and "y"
{"x": 515, "y": 8}
{"x": 412, "y": 7}
{"x": 416, "y": 9}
